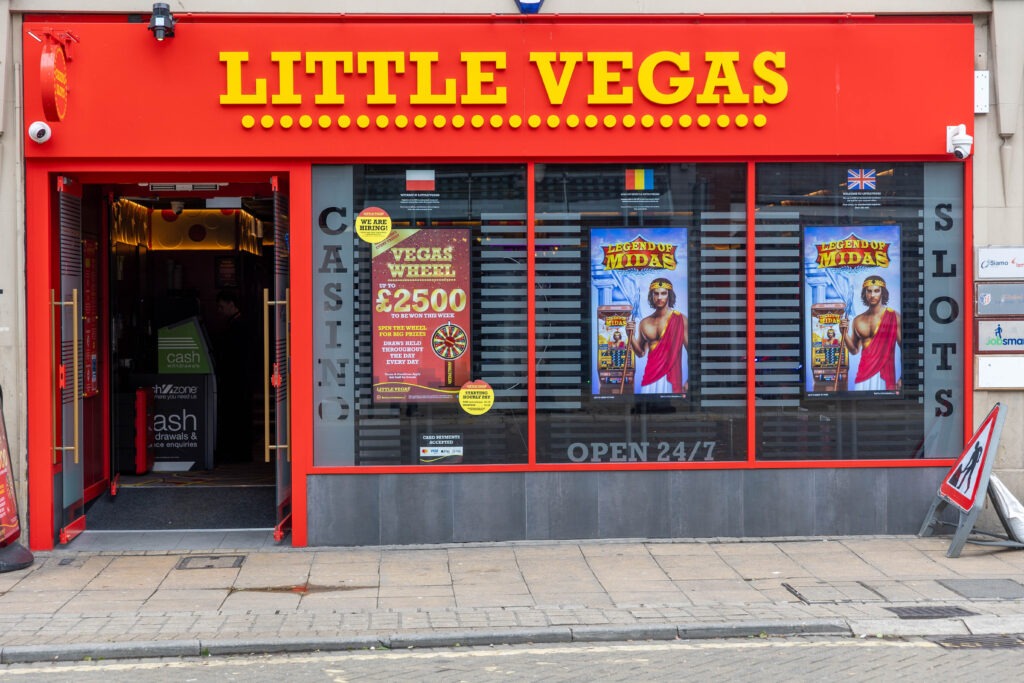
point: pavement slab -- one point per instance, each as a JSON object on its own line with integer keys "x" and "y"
{"x": 124, "y": 597}
{"x": 717, "y": 591}
{"x": 685, "y": 568}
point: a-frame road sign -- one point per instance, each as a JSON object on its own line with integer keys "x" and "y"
{"x": 968, "y": 477}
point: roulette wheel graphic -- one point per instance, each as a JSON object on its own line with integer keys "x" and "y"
{"x": 448, "y": 342}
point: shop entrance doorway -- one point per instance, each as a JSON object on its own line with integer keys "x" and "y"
{"x": 171, "y": 355}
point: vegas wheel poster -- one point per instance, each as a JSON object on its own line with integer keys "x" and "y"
{"x": 421, "y": 315}
{"x": 852, "y": 332}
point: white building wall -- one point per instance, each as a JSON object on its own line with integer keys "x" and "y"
{"x": 12, "y": 251}
{"x": 999, "y": 193}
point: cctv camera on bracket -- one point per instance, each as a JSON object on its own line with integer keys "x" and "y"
{"x": 958, "y": 142}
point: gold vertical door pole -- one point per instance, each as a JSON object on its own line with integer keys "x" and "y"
{"x": 266, "y": 375}
{"x": 57, "y": 390}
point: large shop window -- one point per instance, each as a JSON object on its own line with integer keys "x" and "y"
{"x": 641, "y": 313}
{"x": 421, "y": 339}
{"x": 859, "y": 311}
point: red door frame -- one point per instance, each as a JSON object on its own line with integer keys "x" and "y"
{"x": 40, "y": 244}
{"x": 39, "y": 311}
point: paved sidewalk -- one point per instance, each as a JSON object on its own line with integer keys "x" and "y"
{"x": 247, "y": 595}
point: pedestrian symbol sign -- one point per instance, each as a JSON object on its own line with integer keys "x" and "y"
{"x": 963, "y": 482}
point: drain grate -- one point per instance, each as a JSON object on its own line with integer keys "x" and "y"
{"x": 210, "y": 562}
{"x": 981, "y": 642}
{"x": 939, "y": 612}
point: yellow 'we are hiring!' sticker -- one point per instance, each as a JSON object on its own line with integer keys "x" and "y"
{"x": 373, "y": 224}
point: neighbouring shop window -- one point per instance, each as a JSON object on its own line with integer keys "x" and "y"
{"x": 423, "y": 328}
{"x": 641, "y": 313}
{"x": 859, "y": 311}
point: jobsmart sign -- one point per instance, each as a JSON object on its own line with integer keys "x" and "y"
{"x": 1004, "y": 336}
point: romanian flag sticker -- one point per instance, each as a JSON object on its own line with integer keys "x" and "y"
{"x": 639, "y": 178}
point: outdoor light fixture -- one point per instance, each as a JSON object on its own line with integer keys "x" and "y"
{"x": 162, "y": 21}
{"x": 529, "y": 6}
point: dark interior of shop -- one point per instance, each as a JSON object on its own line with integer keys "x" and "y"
{"x": 185, "y": 353}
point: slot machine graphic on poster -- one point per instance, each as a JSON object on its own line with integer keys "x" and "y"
{"x": 421, "y": 315}
{"x": 639, "y": 312}
{"x": 852, "y": 325}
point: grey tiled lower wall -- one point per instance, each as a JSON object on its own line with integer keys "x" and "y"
{"x": 391, "y": 509}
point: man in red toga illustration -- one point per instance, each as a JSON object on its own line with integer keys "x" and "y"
{"x": 877, "y": 331}
{"x": 662, "y": 337}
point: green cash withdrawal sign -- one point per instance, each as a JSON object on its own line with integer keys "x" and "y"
{"x": 182, "y": 349}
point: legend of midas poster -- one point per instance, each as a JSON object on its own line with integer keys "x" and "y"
{"x": 639, "y": 312}
{"x": 852, "y": 326}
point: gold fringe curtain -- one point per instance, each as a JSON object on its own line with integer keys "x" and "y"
{"x": 248, "y": 233}
{"x": 129, "y": 223}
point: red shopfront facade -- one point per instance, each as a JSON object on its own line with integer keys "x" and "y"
{"x": 527, "y": 277}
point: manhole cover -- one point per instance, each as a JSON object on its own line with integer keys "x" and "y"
{"x": 929, "y": 612}
{"x": 211, "y": 562}
{"x": 985, "y": 589}
{"x": 980, "y": 642}
{"x": 76, "y": 562}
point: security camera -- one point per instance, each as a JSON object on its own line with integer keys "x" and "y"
{"x": 40, "y": 131}
{"x": 958, "y": 142}
{"x": 177, "y": 207}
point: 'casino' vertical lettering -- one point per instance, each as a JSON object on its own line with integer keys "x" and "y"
{"x": 333, "y": 315}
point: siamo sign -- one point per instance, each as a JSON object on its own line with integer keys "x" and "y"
{"x": 401, "y": 86}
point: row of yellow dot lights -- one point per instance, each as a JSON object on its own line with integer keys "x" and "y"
{"x": 497, "y": 121}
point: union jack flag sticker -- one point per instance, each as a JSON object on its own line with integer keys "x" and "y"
{"x": 860, "y": 179}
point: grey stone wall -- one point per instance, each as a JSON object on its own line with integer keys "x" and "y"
{"x": 403, "y": 509}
